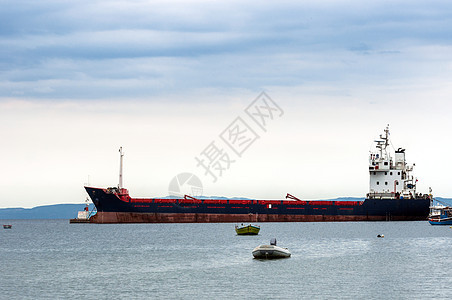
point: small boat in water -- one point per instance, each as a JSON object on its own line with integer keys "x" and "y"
{"x": 247, "y": 229}
{"x": 83, "y": 216}
{"x": 440, "y": 214}
{"x": 270, "y": 251}
{"x": 7, "y": 226}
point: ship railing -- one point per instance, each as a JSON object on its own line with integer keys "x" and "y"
{"x": 397, "y": 195}
{"x": 376, "y": 195}
{"x": 112, "y": 190}
{"x": 116, "y": 190}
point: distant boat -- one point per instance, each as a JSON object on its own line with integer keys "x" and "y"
{"x": 82, "y": 216}
{"x": 440, "y": 215}
{"x": 247, "y": 229}
{"x": 271, "y": 251}
{"x": 7, "y": 226}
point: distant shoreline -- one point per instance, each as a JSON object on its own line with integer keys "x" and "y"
{"x": 55, "y": 211}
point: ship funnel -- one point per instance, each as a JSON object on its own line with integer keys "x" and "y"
{"x": 400, "y": 159}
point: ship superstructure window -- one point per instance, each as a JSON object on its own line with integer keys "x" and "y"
{"x": 375, "y": 173}
{"x": 398, "y": 173}
{"x": 390, "y": 173}
{"x": 378, "y": 182}
{"x": 386, "y": 163}
{"x": 386, "y": 183}
{"x": 386, "y": 173}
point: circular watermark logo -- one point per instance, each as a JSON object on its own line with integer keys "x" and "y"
{"x": 185, "y": 184}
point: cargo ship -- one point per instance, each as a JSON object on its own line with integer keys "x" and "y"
{"x": 392, "y": 197}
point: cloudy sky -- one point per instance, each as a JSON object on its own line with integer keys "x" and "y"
{"x": 165, "y": 79}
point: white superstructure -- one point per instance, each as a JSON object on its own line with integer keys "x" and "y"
{"x": 390, "y": 177}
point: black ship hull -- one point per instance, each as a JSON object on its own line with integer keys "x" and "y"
{"x": 116, "y": 207}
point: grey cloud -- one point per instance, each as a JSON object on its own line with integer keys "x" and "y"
{"x": 93, "y": 48}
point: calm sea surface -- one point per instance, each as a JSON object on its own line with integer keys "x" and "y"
{"x": 52, "y": 259}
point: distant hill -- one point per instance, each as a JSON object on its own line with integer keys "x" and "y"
{"x": 345, "y": 199}
{"x": 69, "y": 211}
{"x": 57, "y": 211}
{"x": 207, "y": 197}
{"x": 444, "y": 201}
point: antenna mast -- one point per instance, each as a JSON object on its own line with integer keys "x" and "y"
{"x": 121, "y": 154}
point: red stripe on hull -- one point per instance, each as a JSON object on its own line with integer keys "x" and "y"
{"x": 127, "y": 217}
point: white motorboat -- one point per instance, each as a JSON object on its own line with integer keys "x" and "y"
{"x": 270, "y": 251}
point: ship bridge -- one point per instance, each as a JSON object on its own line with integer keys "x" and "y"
{"x": 389, "y": 177}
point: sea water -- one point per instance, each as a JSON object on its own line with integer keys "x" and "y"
{"x": 52, "y": 259}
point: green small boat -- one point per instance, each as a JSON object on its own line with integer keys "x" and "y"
{"x": 247, "y": 229}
